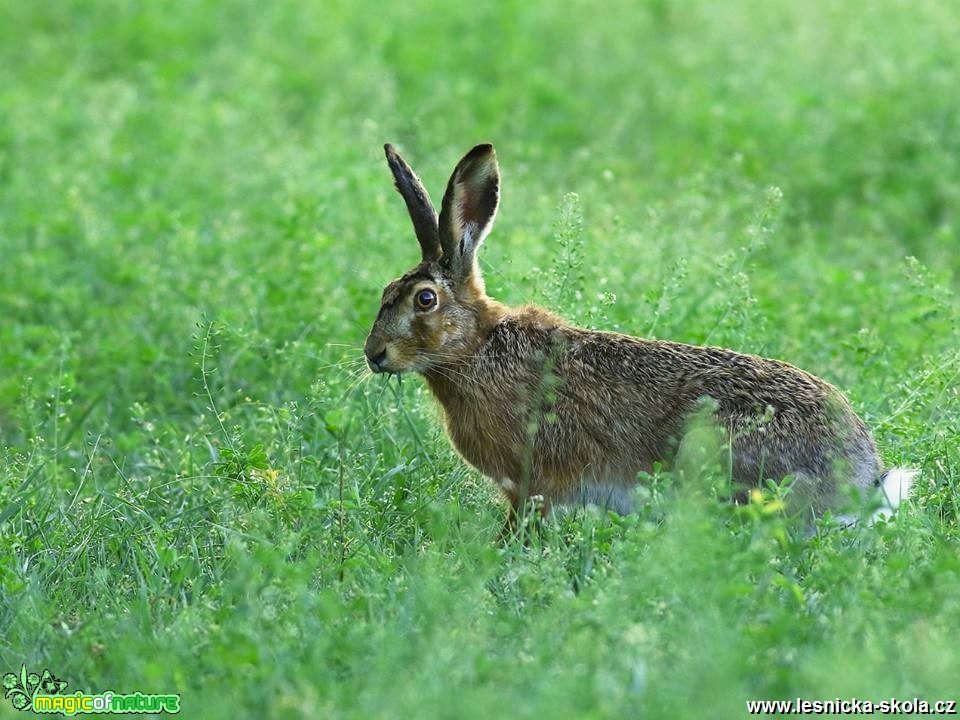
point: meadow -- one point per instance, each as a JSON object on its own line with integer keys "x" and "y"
{"x": 201, "y": 492}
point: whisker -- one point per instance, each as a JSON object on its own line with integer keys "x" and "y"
{"x": 455, "y": 376}
{"x": 343, "y": 364}
{"x": 356, "y": 384}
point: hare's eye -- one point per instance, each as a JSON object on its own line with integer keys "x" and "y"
{"x": 425, "y": 299}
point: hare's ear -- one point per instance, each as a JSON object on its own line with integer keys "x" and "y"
{"x": 468, "y": 209}
{"x": 418, "y": 204}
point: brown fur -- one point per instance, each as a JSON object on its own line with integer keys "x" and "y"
{"x": 548, "y": 409}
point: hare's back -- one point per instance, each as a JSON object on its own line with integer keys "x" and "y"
{"x": 609, "y": 378}
{"x": 665, "y": 378}
{"x": 677, "y": 371}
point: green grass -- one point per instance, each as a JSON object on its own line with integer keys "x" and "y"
{"x": 199, "y": 495}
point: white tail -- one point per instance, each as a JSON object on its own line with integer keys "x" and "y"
{"x": 894, "y": 488}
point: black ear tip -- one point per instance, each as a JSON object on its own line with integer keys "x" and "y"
{"x": 479, "y": 156}
{"x": 389, "y": 150}
{"x": 482, "y": 150}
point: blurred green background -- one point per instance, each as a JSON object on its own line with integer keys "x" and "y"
{"x": 200, "y": 492}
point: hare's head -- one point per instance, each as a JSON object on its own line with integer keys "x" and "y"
{"x": 434, "y": 312}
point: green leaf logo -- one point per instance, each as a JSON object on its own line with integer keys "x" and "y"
{"x": 21, "y": 689}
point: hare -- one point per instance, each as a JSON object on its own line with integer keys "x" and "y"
{"x": 549, "y": 410}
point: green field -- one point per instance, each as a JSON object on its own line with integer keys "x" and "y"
{"x": 201, "y": 491}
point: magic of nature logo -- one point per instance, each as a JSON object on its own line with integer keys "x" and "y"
{"x": 45, "y": 694}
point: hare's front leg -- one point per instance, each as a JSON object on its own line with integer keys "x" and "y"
{"x": 521, "y": 503}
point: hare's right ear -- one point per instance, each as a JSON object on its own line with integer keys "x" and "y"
{"x": 418, "y": 204}
{"x": 468, "y": 209}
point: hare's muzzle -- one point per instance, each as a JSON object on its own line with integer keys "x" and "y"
{"x": 376, "y": 357}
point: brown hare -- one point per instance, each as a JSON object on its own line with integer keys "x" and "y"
{"x": 564, "y": 414}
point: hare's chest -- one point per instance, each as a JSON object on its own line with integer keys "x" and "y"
{"x": 488, "y": 435}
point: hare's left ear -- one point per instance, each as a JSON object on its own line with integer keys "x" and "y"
{"x": 421, "y": 210}
{"x": 468, "y": 209}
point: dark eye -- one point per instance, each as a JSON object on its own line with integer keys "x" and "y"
{"x": 425, "y": 299}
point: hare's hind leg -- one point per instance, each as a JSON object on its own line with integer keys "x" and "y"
{"x": 809, "y": 495}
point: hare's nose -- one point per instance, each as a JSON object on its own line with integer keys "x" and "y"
{"x": 376, "y": 362}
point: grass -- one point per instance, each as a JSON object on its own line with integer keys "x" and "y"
{"x": 200, "y": 494}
